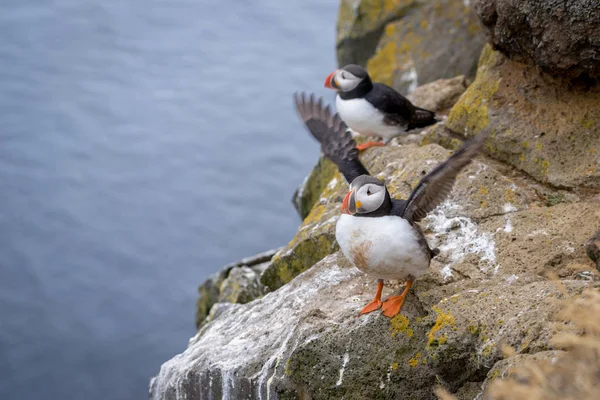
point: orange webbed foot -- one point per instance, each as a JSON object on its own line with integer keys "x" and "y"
{"x": 366, "y": 145}
{"x": 376, "y": 303}
{"x": 393, "y": 305}
{"x": 372, "y": 306}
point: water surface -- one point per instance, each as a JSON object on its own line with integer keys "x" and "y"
{"x": 143, "y": 144}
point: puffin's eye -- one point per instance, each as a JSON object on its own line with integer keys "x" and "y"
{"x": 343, "y": 76}
{"x": 369, "y": 192}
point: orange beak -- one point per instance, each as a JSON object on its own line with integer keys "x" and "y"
{"x": 345, "y": 209}
{"x": 330, "y": 82}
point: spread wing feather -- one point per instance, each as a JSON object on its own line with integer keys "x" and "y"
{"x": 433, "y": 189}
{"x": 336, "y": 141}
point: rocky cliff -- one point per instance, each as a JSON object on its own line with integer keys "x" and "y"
{"x": 514, "y": 236}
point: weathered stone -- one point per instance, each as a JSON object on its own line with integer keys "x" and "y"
{"x": 561, "y": 37}
{"x": 464, "y": 342}
{"x": 480, "y": 191}
{"x": 208, "y": 294}
{"x": 439, "y": 39}
{"x": 242, "y": 285}
{"x": 360, "y": 24}
{"x": 305, "y": 340}
{"x": 497, "y": 240}
{"x": 540, "y": 125}
{"x": 592, "y": 248}
{"x": 516, "y": 248}
{"x": 440, "y": 95}
{"x": 443, "y": 136}
{"x": 570, "y": 374}
{"x": 210, "y": 291}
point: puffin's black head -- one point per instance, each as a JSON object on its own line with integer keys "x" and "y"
{"x": 347, "y": 78}
{"x": 367, "y": 197}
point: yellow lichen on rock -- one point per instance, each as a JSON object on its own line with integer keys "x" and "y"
{"x": 381, "y": 67}
{"x": 471, "y": 110}
{"x": 412, "y": 49}
{"x": 399, "y": 324}
{"x": 442, "y": 320}
{"x": 413, "y": 362}
{"x": 361, "y": 23}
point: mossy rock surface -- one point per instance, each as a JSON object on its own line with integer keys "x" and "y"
{"x": 439, "y": 95}
{"x": 316, "y": 236}
{"x": 208, "y": 295}
{"x": 546, "y": 127}
{"x": 310, "y": 191}
{"x": 439, "y": 40}
{"x": 305, "y": 338}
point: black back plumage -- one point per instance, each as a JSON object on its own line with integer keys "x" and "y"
{"x": 398, "y": 109}
{"x": 336, "y": 141}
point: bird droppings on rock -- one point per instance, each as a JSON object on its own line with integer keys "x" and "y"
{"x": 342, "y": 369}
{"x": 458, "y": 236}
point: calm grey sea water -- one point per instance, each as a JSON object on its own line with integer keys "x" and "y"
{"x": 143, "y": 144}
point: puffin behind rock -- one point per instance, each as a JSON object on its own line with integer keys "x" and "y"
{"x": 377, "y": 233}
{"x": 374, "y": 109}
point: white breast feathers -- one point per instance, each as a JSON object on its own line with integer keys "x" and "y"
{"x": 384, "y": 247}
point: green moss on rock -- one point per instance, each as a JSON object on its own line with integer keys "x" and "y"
{"x": 208, "y": 295}
{"x": 311, "y": 189}
{"x": 471, "y": 110}
{"x": 315, "y": 238}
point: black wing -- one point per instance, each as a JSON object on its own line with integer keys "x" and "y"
{"x": 336, "y": 141}
{"x": 390, "y": 102}
{"x": 398, "y": 109}
{"x": 437, "y": 185}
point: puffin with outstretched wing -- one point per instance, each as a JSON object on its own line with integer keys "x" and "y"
{"x": 380, "y": 235}
{"x": 373, "y": 108}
